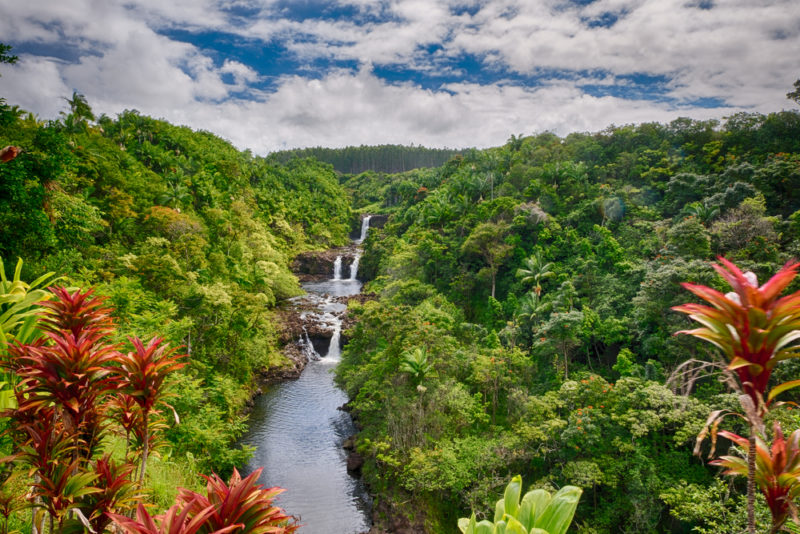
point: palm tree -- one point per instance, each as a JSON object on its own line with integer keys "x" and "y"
{"x": 536, "y": 270}
{"x": 702, "y": 212}
{"x": 416, "y": 364}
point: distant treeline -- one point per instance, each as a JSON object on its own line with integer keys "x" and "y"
{"x": 381, "y": 158}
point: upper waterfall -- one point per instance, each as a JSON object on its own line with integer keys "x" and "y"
{"x": 364, "y": 229}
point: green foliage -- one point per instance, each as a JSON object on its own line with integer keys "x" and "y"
{"x": 188, "y": 237}
{"x": 573, "y": 373}
{"x": 537, "y": 513}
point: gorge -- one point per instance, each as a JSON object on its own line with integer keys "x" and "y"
{"x": 298, "y": 428}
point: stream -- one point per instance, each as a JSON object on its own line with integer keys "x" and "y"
{"x": 298, "y": 430}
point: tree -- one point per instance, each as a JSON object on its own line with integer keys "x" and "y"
{"x": 5, "y": 57}
{"x": 795, "y": 95}
{"x": 535, "y": 271}
{"x": 487, "y": 240}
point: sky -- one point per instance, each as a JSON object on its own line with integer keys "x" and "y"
{"x": 276, "y": 74}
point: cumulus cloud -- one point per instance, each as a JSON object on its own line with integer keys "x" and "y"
{"x": 539, "y": 58}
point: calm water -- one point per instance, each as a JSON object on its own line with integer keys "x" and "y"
{"x": 298, "y": 434}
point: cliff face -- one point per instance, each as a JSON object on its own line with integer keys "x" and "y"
{"x": 318, "y": 265}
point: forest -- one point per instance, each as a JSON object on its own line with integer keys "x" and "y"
{"x": 522, "y": 322}
{"x": 381, "y": 158}
{"x": 519, "y": 318}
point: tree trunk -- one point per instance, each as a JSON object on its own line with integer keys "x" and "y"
{"x": 751, "y": 482}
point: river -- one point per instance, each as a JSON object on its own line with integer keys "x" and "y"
{"x": 298, "y": 430}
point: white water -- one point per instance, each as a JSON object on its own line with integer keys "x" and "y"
{"x": 354, "y": 266}
{"x": 364, "y": 229}
{"x": 308, "y": 348}
{"x": 337, "y": 268}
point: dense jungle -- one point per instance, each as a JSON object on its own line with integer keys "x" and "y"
{"x": 516, "y": 320}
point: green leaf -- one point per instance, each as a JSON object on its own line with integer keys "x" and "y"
{"x": 538, "y": 500}
{"x": 515, "y": 527}
{"x": 559, "y": 513}
{"x": 511, "y": 496}
{"x": 777, "y": 390}
{"x": 499, "y": 510}
{"x": 467, "y": 526}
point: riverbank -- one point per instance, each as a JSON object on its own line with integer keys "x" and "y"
{"x": 297, "y": 426}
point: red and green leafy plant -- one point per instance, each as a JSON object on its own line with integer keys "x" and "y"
{"x": 173, "y": 521}
{"x": 755, "y": 328}
{"x": 73, "y": 384}
{"x": 141, "y": 377}
{"x": 117, "y": 492}
{"x": 70, "y": 368}
{"x": 239, "y": 506}
{"x": 241, "y": 502}
{"x": 777, "y": 471}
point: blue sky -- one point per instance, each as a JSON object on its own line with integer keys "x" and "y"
{"x": 273, "y": 74}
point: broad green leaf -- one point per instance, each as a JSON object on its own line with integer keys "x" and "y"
{"x": 467, "y": 526}
{"x": 499, "y": 510}
{"x": 484, "y": 527}
{"x": 511, "y": 496}
{"x": 515, "y": 527}
{"x": 499, "y": 527}
{"x": 526, "y": 513}
{"x": 538, "y": 500}
{"x": 559, "y": 513}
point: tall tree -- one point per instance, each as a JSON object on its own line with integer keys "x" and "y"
{"x": 487, "y": 240}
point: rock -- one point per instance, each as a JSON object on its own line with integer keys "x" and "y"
{"x": 354, "y": 463}
{"x": 318, "y": 265}
{"x": 350, "y": 443}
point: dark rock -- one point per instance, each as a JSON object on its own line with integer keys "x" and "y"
{"x": 318, "y": 264}
{"x": 349, "y": 444}
{"x": 354, "y": 463}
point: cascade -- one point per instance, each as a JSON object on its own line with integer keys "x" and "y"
{"x": 337, "y": 268}
{"x": 334, "y": 350}
{"x": 354, "y": 266}
{"x": 298, "y": 428}
{"x": 308, "y": 347}
{"x": 364, "y": 229}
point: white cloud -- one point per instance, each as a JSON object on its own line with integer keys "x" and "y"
{"x": 347, "y": 108}
{"x": 740, "y": 51}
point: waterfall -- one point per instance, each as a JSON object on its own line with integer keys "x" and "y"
{"x": 364, "y": 228}
{"x": 308, "y": 348}
{"x": 354, "y": 266}
{"x": 337, "y": 268}
{"x": 334, "y": 351}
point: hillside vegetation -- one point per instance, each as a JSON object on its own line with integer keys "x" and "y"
{"x": 523, "y": 320}
{"x": 188, "y": 238}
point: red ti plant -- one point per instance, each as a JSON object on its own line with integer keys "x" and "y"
{"x": 777, "y": 471}
{"x": 124, "y": 410}
{"x": 752, "y": 325}
{"x": 70, "y": 368}
{"x": 60, "y": 483}
{"x": 174, "y": 521}
{"x": 755, "y": 329}
{"x": 242, "y": 506}
{"x": 142, "y": 376}
{"x": 116, "y": 492}
{"x": 242, "y": 502}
